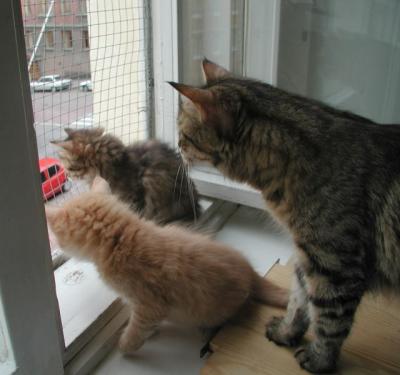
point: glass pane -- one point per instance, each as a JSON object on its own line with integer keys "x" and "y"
{"x": 212, "y": 29}
{"x": 345, "y": 53}
{"x": 88, "y": 67}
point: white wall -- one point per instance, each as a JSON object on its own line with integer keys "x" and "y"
{"x": 117, "y": 59}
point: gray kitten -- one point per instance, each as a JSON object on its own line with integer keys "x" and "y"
{"x": 148, "y": 175}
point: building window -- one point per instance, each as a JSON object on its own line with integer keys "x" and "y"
{"x": 85, "y": 39}
{"x": 66, "y": 39}
{"x": 49, "y": 40}
{"x": 42, "y": 7}
{"x": 82, "y": 7}
{"x": 27, "y": 8}
{"x": 29, "y": 39}
{"x": 66, "y": 6}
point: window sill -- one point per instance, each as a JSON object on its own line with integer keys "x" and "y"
{"x": 212, "y": 184}
{"x": 86, "y": 303}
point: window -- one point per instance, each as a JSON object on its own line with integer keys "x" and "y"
{"x": 310, "y": 47}
{"x": 29, "y": 39}
{"x": 53, "y": 170}
{"x": 66, "y": 36}
{"x": 41, "y": 7}
{"x": 180, "y": 43}
{"x": 66, "y": 6}
{"x": 82, "y": 7}
{"x": 49, "y": 39}
{"x": 345, "y": 54}
{"x": 27, "y": 8}
{"x": 115, "y": 63}
{"x": 85, "y": 39}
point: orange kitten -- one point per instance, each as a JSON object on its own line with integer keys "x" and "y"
{"x": 162, "y": 272}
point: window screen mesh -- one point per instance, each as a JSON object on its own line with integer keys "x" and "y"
{"x": 88, "y": 66}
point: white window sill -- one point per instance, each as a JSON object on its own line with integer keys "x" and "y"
{"x": 86, "y": 303}
{"x": 212, "y": 184}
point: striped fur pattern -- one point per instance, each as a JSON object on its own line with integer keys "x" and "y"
{"x": 331, "y": 177}
{"x": 147, "y": 175}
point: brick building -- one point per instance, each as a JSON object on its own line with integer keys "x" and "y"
{"x": 64, "y": 41}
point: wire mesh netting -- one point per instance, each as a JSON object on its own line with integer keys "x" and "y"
{"x": 88, "y": 67}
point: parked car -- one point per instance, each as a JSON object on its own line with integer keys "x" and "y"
{"x": 53, "y": 176}
{"x": 51, "y": 83}
{"x": 86, "y": 85}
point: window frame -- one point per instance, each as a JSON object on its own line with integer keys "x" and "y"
{"x": 66, "y": 7}
{"x": 165, "y": 15}
{"x": 49, "y": 46}
{"x": 64, "y": 33}
{"x": 85, "y": 40}
{"x": 25, "y": 263}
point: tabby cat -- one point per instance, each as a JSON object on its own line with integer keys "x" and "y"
{"x": 162, "y": 272}
{"x": 148, "y": 175}
{"x": 330, "y": 176}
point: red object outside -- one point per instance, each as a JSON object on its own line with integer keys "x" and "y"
{"x": 53, "y": 176}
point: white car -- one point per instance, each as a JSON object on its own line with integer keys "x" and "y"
{"x": 51, "y": 83}
{"x": 86, "y": 85}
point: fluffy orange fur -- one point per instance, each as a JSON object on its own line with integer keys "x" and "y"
{"x": 162, "y": 272}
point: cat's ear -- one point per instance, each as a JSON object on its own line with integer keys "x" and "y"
{"x": 212, "y": 71}
{"x": 69, "y": 131}
{"x": 66, "y": 145}
{"x": 210, "y": 111}
{"x": 203, "y": 99}
{"x": 196, "y": 95}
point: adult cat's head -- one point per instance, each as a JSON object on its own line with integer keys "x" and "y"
{"x": 212, "y": 118}
{"x": 84, "y": 149}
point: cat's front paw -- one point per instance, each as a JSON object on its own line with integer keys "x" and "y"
{"x": 280, "y": 333}
{"x": 313, "y": 361}
{"x": 129, "y": 345}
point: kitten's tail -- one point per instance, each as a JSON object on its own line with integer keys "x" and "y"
{"x": 267, "y": 292}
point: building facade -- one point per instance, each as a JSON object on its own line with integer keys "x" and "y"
{"x": 63, "y": 42}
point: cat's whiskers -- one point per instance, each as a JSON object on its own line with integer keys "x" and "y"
{"x": 190, "y": 190}
{"x": 176, "y": 177}
{"x": 182, "y": 177}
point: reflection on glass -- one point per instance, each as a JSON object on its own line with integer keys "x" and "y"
{"x": 212, "y": 29}
{"x": 345, "y": 53}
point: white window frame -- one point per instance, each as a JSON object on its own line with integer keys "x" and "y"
{"x": 166, "y": 68}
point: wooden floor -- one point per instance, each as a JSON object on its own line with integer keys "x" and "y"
{"x": 372, "y": 348}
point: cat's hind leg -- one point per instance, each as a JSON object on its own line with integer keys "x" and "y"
{"x": 142, "y": 324}
{"x": 290, "y": 329}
